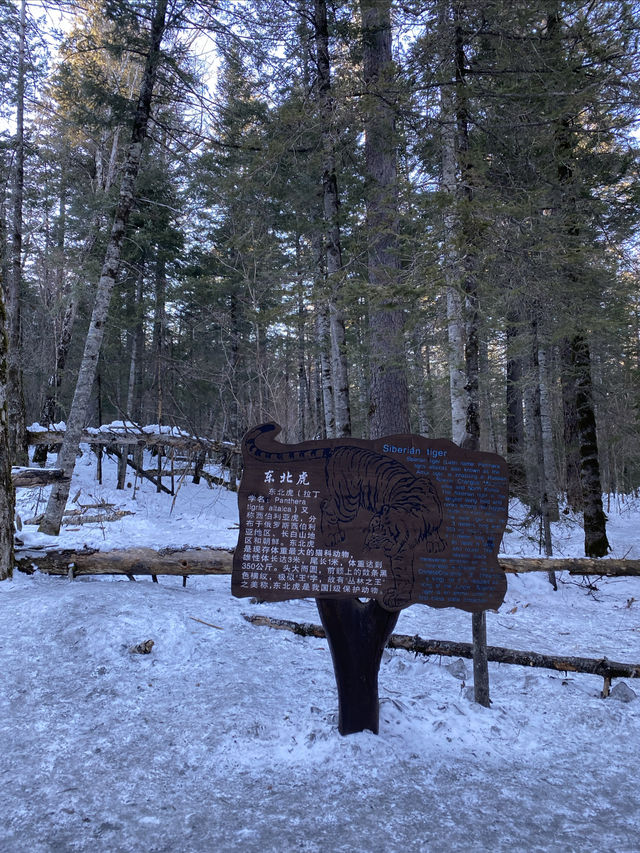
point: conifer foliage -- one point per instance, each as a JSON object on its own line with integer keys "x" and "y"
{"x": 308, "y": 225}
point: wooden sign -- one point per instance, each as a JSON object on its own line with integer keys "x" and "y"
{"x": 402, "y": 519}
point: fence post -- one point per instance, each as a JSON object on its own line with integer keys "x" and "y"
{"x": 480, "y": 664}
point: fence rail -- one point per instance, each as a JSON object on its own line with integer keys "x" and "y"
{"x": 217, "y": 561}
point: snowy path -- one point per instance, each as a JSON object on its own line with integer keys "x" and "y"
{"x": 224, "y": 739}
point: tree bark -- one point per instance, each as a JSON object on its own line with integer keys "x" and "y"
{"x": 66, "y": 459}
{"x": 389, "y": 407}
{"x": 596, "y": 543}
{"x": 357, "y": 631}
{"x": 137, "y": 345}
{"x": 462, "y": 290}
{"x": 571, "y": 443}
{"x": 29, "y": 477}
{"x": 49, "y": 408}
{"x": 7, "y": 494}
{"x": 326, "y": 379}
{"x": 458, "y": 394}
{"x": 130, "y": 561}
{"x": 550, "y": 479}
{"x": 514, "y": 418}
{"x": 331, "y": 206}
{"x": 15, "y": 391}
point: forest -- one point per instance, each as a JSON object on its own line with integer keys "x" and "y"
{"x": 358, "y": 218}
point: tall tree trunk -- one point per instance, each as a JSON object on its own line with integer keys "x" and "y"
{"x": 7, "y": 496}
{"x": 302, "y": 385}
{"x": 76, "y": 421}
{"x": 330, "y": 205}
{"x": 571, "y": 436}
{"x": 16, "y": 405}
{"x": 455, "y": 319}
{"x": 63, "y": 339}
{"x": 462, "y": 295}
{"x": 326, "y": 380}
{"x": 137, "y": 345}
{"x": 49, "y": 408}
{"x": 580, "y": 382}
{"x": 546, "y": 429}
{"x": 159, "y": 343}
{"x": 514, "y": 418}
{"x": 462, "y": 290}
{"x": 389, "y": 408}
{"x": 323, "y": 334}
{"x": 422, "y": 373}
{"x": 544, "y": 479}
{"x": 487, "y": 425}
{"x": 357, "y": 631}
{"x": 596, "y": 543}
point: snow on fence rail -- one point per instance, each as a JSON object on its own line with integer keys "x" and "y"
{"x": 125, "y": 440}
{"x": 126, "y": 433}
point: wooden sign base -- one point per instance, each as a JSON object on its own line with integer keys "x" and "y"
{"x": 357, "y": 633}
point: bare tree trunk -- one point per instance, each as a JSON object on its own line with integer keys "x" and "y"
{"x": 550, "y": 479}
{"x": 330, "y": 205}
{"x": 422, "y": 373}
{"x": 304, "y": 408}
{"x": 49, "y": 408}
{"x": 15, "y": 397}
{"x": 7, "y": 495}
{"x": 571, "y": 432}
{"x": 357, "y": 632}
{"x": 514, "y": 401}
{"x": 596, "y": 543}
{"x": 323, "y": 334}
{"x": 457, "y": 374}
{"x": 543, "y": 478}
{"x": 462, "y": 315}
{"x": 303, "y": 415}
{"x": 159, "y": 322}
{"x": 67, "y": 456}
{"x": 455, "y": 319}
{"x": 532, "y": 439}
{"x": 487, "y": 427}
{"x": 324, "y": 345}
{"x": 389, "y": 396}
{"x": 137, "y": 344}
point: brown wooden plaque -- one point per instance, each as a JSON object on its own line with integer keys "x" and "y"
{"x": 402, "y": 519}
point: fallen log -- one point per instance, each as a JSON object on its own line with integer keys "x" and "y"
{"x": 222, "y": 565}
{"x": 29, "y": 477}
{"x": 76, "y": 517}
{"x": 130, "y": 561}
{"x": 96, "y": 519}
{"x": 181, "y": 473}
{"x": 574, "y": 565}
{"x": 603, "y": 667}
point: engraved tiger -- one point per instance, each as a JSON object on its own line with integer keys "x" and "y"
{"x": 406, "y": 510}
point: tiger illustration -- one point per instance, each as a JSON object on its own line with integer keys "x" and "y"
{"x": 406, "y": 510}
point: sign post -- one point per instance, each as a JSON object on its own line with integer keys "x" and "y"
{"x": 398, "y": 520}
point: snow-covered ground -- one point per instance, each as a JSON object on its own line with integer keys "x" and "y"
{"x": 224, "y": 737}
